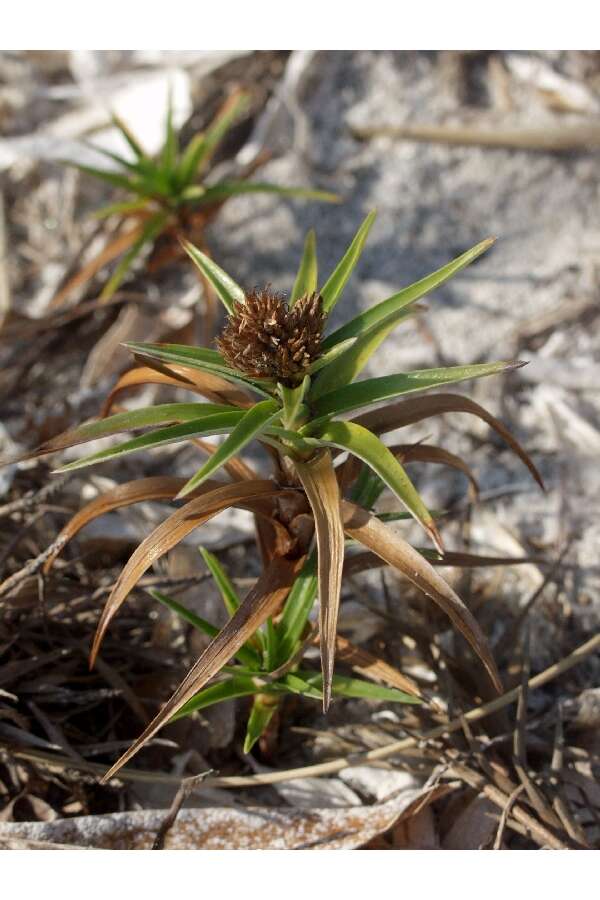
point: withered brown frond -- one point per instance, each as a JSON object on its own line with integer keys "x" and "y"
{"x": 266, "y": 339}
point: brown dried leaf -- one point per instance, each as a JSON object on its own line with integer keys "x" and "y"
{"x": 349, "y": 471}
{"x": 262, "y": 601}
{"x": 407, "y": 453}
{"x": 373, "y": 667}
{"x": 158, "y": 488}
{"x": 115, "y": 248}
{"x": 361, "y": 562}
{"x": 215, "y": 389}
{"x": 320, "y": 483}
{"x": 374, "y": 535}
{"x": 415, "y": 409}
{"x": 173, "y": 530}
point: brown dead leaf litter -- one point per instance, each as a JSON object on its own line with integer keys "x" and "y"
{"x": 380, "y": 776}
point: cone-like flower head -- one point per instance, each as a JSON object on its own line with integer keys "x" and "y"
{"x": 265, "y": 338}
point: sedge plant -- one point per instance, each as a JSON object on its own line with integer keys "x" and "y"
{"x": 169, "y": 197}
{"x": 279, "y": 377}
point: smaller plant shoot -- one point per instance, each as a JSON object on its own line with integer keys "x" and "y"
{"x": 170, "y": 197}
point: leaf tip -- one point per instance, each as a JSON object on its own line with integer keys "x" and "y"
{"x": 110, "y": 774}
{"x": 436, "y": 537}
{"x": 185, "y": 490}
{"x": 515, "y": 364}
{"x": 97, "y": 640}
{"x": 496, "y": 679}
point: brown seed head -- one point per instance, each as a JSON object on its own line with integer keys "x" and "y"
{"x": 266, "y": 339}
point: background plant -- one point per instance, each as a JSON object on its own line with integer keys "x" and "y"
{"x": 170, "y": 197}
{"x": 297, "y": 419}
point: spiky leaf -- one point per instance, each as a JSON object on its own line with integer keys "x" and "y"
{"x": 306, "y": 279}
{"x": 251, "y": 424}
{"x": 333, "y": 287}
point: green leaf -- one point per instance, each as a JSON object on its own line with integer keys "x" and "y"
{"x": 406, "y": 296}
{"x": 228, "y": 593}
{"x": 198, "y": 358}
{"x": 292, "y": 400}
{"x": 368, "y": 488}
{"x": 328, "y": 358}
{"x": 302, "y": 446}
{"x": 149, "y": 233}
{"x": 245, "y": 654}
{"x": 171, "y": 146}
{"x": 227, "y": 290}
{"x": 129, "y": 136}
{"x": 402, "y": 516}
{"x": 181, "y": 354}
{"x": 225, "y": 189}
{"x": 376, "y": 390}
{"x": 295, "y": 683}
{"x": 252, "y": 422}
{"x": 144, "y": 417}
{"x": 366, "y": 446}
{"x": 332, "y": 289}
{"x": 230, "y": 599}
{"x": 113, "y": 178}
{"x": 114, "y": 157}
{"x": 270, "y": 643}
{"x": 297, "y": 609}
{"x": 187, "y": 164}
{"x": 306, "y": 279}
{"x": 215, "y": 133}
{"x": 263, "y": 710}
{"x": 191, "y": 193}
{"x": 229, "y": 689}
{"x": 344, "y": 686}
{"x": 217, "y": 423}
{"x": 354, "y": 359}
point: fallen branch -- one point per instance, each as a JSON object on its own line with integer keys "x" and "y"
{"x": 549, "y": 140}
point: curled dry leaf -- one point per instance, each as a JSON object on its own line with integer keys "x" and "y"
{"x": 427, "y": 453}
{"x": 374, "y": 668}
{"x": 320, "y": 483}
{"x": 362, "y": 562}
{"x": 158, "y": 488}
{"x": 115, "y": 248}
{"x": 374, "y": 535}
{"x": 349, "y": 471}
{"x": 212, "y": 387}
{"x": 262, "y": 601}
{"x": 415, "y": 409}
{"x": 170, "y": 532}
{"x": 147, "y": 489}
